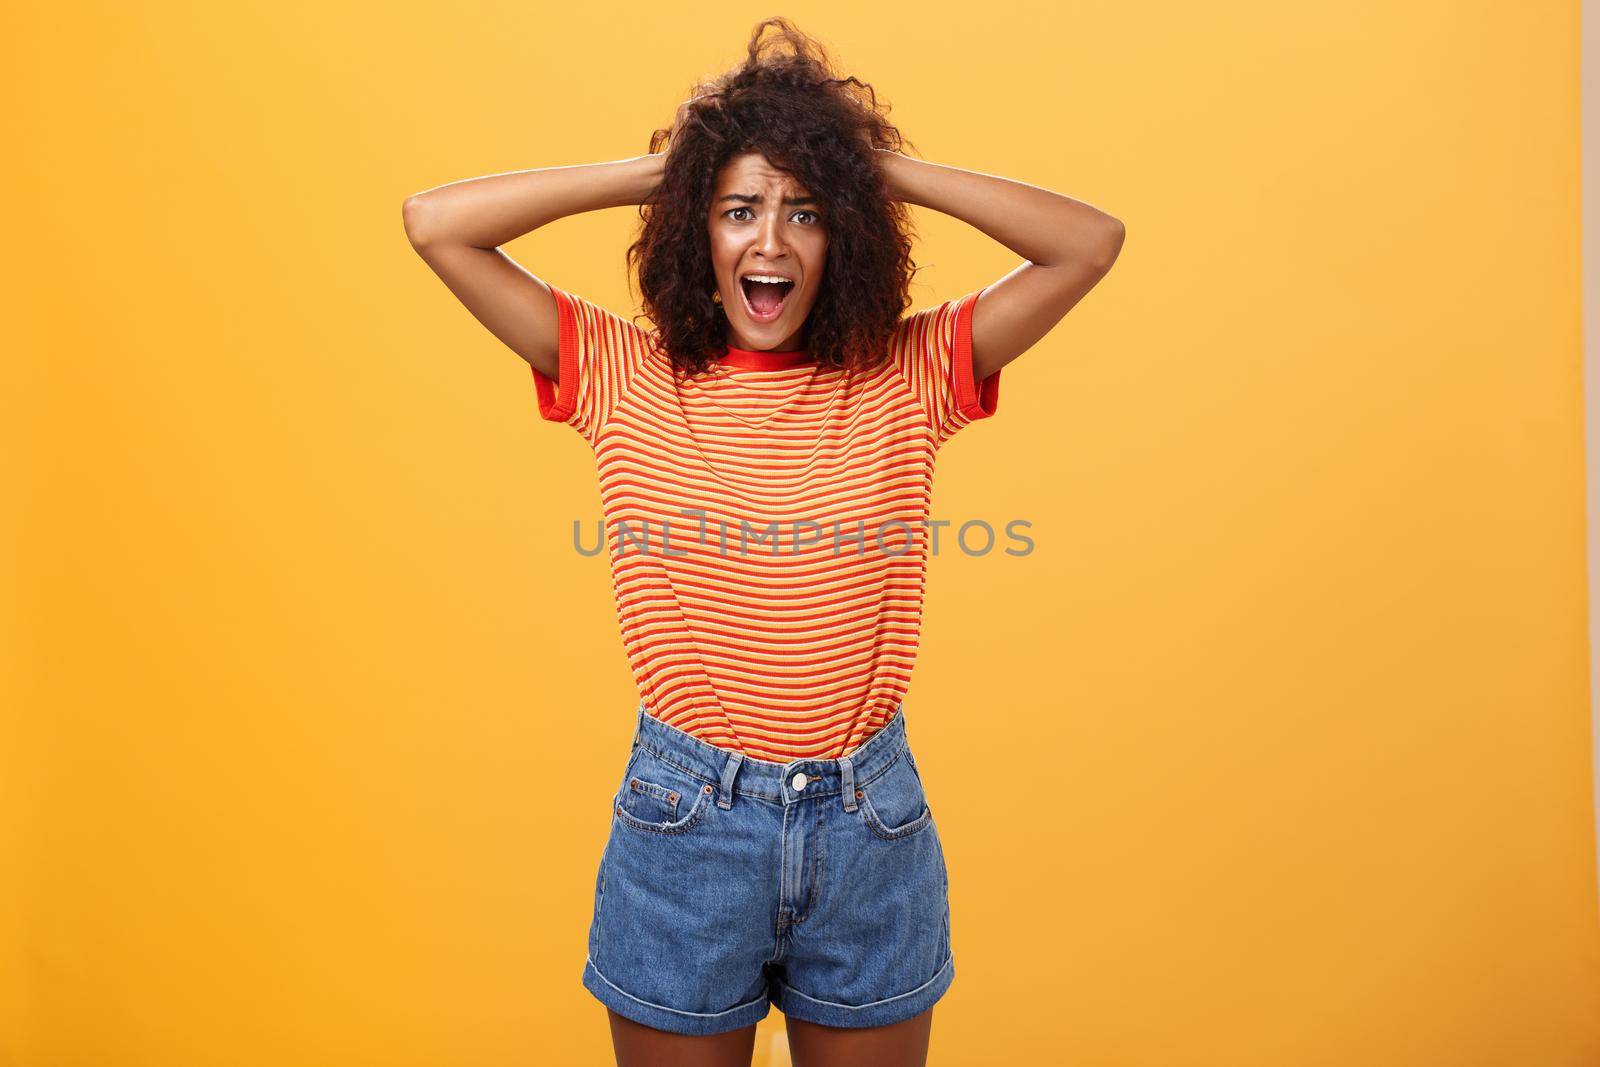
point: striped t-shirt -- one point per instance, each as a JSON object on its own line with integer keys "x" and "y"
{"x": 767, "y": 520}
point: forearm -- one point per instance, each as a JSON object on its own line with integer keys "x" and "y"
{"x": 491, "y": 211}
{"x": 1043, "y": 227}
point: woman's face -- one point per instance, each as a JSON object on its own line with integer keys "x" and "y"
{"x": 764, "y": 224}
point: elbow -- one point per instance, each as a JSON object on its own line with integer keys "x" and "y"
{"x": 1111, "y": 243}
{"x": 413, "y": 214}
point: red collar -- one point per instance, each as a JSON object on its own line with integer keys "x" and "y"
{"x": 744, "y": 357}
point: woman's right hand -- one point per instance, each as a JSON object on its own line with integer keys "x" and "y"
{"x": 682, "y": 115}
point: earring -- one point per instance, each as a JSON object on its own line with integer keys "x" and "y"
{"x": 716, "y": 296}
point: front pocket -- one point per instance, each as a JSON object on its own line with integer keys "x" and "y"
{"x": 659, "y": 798}
{"x": 893, "y": 805}
{"x": 650, "y": 802}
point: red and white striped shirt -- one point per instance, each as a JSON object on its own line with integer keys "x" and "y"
{"x": 767, "y": 520}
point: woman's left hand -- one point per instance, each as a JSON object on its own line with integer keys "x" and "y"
{"x": 886, "y": 160}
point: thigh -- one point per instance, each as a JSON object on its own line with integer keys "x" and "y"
{"x": 683, "y": 905}
{"x": 638, "y": 1045}
{"x": 902, "y": 1044}
{"x": 872, "y": 947}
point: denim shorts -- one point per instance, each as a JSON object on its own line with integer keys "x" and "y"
{"x": 729, "y": 884}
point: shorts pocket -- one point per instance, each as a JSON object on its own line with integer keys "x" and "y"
{"x": 894, "y": 805}
{"x": 658, "y": 797}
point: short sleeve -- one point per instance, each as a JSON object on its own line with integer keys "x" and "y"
{"x": 932, "y": 349}
{"x": 600, "y": 355}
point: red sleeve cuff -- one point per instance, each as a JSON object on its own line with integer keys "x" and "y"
{"x": 559, "y": 399}
{"x": 975, "y": 400}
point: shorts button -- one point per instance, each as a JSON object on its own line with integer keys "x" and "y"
{"x": 799, "y": 781}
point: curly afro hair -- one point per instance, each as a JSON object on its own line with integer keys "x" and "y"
{"x": 787, "y": 104}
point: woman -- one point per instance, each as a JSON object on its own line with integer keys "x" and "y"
{"x": 765, "y": 455}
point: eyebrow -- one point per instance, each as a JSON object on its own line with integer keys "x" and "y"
{"x": 748, "y": 199}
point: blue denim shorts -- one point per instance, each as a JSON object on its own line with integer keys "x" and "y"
{"x": 729, "y": 884}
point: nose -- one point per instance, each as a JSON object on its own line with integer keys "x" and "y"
{"x": 769, "y": 237}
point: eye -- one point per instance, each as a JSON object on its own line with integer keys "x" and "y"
{"x": 732, "y": 213}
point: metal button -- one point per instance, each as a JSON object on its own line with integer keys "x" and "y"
{"x": 799, "y": 781}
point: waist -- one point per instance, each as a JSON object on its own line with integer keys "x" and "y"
{"x": 766, "y": 779}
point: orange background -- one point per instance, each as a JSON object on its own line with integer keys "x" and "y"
{"x": 1275, "y": 750}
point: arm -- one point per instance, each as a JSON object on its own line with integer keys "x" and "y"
{"x": 457, "y": 230}
{"x": 1069, "y": 246}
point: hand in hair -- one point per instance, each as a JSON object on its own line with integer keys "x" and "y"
{"x": 682, "y": 115}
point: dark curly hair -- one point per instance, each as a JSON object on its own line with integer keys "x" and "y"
{"x": 789, "y": 105}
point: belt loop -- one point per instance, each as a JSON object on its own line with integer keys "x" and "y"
{"x": 638, "y": 727}
{"x": 847, "y": 782}
{"x": 729, "y": 769}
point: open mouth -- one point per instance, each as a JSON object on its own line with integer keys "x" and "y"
{"x": 764, "y": 300}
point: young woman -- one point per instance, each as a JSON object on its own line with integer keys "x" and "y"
{"x": 765, "y": 456}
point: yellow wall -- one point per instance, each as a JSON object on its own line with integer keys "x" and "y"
{"x": 1275, "y": 751}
